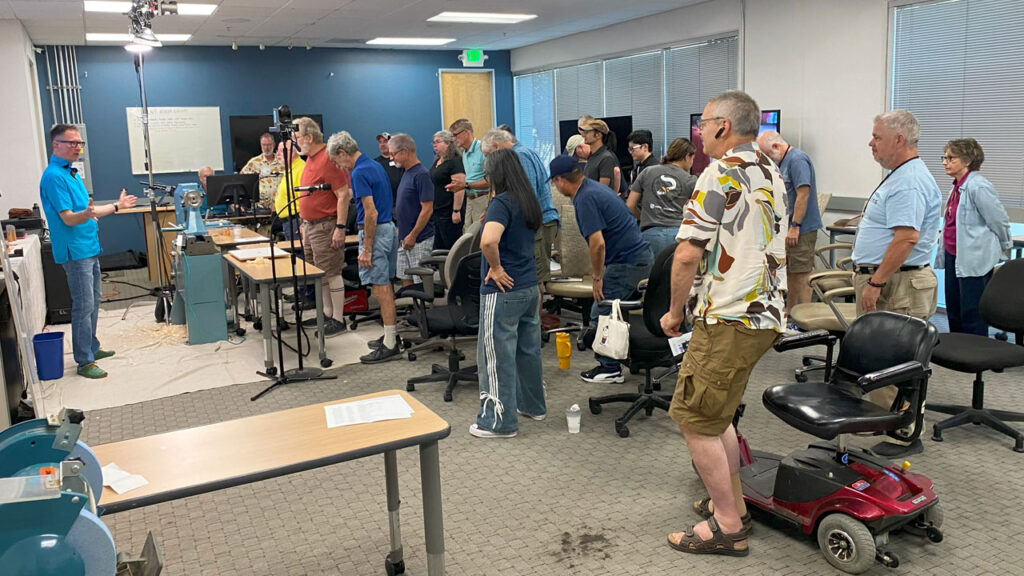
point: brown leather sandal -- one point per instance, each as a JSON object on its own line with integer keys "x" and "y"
{"x": 703, "y": 509}
{"x": 719, "y": 543}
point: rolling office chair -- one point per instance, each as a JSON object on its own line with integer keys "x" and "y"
{"x": 459, "y": 317}
{"x": 1002, "y": 306}
{"x": 573, "y": 289}
{"x": 648, "y": 345}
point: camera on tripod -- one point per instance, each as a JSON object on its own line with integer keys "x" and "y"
{"x": 282, "y": 121}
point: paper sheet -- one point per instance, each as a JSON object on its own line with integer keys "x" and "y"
{"x": 121, "y": 481}
{"x": 370, "y": 410}
{"x": 254, "y": 253}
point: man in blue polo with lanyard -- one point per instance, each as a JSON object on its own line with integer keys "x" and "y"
{"x": 73, "y": 221}
{"x": 895, "y": 239}
{"x": 378, "y": 239}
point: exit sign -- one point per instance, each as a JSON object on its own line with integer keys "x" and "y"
{"x": 472, "y": 58}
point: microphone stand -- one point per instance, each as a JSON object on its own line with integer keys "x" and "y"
{"x": 302, "y": 373}
{"x": 165, "y": 291}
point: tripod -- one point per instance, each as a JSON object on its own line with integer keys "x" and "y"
{"x": 301, "y": 373}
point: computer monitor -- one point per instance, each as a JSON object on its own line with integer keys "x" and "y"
{"x": 242, "y": 190}
{"x": 770, "y": 120}
{"x": 245, "y": 133}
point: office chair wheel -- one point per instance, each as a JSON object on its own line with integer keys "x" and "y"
{"x": 462, "y": 356}
{"x": 392, "y": 568}
{"x": 545, "y": 337}
{"x": 447, "y": 396}
{"x": 622, "y": 430}
{"x": 352, "y": 324}
{"x": 410, "y": 387}
{"x": 257, "y": 325}
{"x": 411, "y": 356}
{"x": 633, "y": 370}
{"x": 801, "y": 378}
{"x": 351, "y": 317}
{"x": 272, "y": 371}
{"x": 406, "y": 344}
{"x": 285, "y": 325}
{"x": 239, "y": 331}
{"x": 807, "y": 361}
{"x": 595, "y": 408}
{"x": 326, "y": 363}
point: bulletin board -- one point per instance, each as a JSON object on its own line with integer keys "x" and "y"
{"x": 182, "y": 139}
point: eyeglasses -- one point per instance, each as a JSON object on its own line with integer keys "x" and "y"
{"x": 637, "y": 147}
{"x": 585, "y": 130}
{"x": 947, "y": 158}
{"x": 75, "y": 143}
{"x": 456, "y": 134}
{"x": 704, "y": 121}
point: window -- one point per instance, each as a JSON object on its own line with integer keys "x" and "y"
{"x": 956, "y": 66}
{"x": 658, "y": 89}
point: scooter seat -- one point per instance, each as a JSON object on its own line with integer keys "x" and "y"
{"x": 826, "y": 410}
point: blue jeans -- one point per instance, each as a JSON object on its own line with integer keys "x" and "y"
{"x": 963, "y": 297}
{"x": 84, "y": 282}
{"x": 660, "y": 237}
{"x": 620, "y": 281}
{"x": 508, "y": 359}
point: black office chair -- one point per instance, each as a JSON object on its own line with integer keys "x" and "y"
{"x": 879, "y": 349}
{"x": 460, "y": 317}
{"x": 1002, "y": 306}
{"x": 648, "y": 345}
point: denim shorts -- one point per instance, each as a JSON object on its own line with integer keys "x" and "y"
{"x": 385, "y": 256}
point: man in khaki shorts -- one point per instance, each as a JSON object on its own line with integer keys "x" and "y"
{"x": 729, "y": 274}
{"x": 804, "y": 213}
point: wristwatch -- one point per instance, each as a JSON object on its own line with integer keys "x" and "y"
{"x": 340, "y": 226}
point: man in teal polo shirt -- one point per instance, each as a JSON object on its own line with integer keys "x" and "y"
{"x": 73, "y": 220}
{"x": 475, "y": 184}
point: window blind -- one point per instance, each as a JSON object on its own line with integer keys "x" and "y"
{"x": 535, "y": 109}
{"x": 634, "y": 86}
{"x": 694, "y": 75}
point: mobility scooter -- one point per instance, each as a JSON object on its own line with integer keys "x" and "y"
{"x": 850, "y": 498}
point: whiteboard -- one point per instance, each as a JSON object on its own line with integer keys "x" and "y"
{"x": 181, "y": 139}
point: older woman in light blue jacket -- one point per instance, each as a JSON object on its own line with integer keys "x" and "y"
{"x": 975, "y": 233}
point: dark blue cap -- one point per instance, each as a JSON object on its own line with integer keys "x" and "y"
{"x": 562, "y": 165}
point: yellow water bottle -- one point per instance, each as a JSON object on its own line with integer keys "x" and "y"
{"x": 564, "y": 349}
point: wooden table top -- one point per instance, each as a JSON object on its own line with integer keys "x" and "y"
{"x": 260, "y": 270}
{"x": 145, "y": 208}
{"x": 226, "y": 237}
{"x": 207, "y": 458}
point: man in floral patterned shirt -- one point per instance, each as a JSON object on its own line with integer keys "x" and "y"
{"x": 729, "y": 274}
{"x": 268, "y": 167}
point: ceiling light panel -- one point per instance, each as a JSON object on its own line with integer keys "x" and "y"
{"x": 481, "y": 17}
{"x": 124, "y": 7}
{"x": 386, "y": 41}
{"x": 108, "y": 37}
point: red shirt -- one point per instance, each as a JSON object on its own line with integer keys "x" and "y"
{"x": 949, "y": 231}
{"x": 322, "y": 203}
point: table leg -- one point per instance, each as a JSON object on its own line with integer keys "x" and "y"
{"x": 433, "y": 519}
{"x": 267, "y": 341}
{"x": 230, "y": 298}
{"x": 318, "y": 296}
{"x": 391, "y": 481}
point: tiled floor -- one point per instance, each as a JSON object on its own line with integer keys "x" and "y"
{"x": 545, "y": 502}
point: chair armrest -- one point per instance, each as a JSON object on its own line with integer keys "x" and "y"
{"x": 845, "y": 263}
{"x": 804, "y": 339}
{"x": 827, "y": 274}
{"x": 904, "y": 375}
{"x": 440, "y": 252}
{"x": 426, "y": 275}
{"x": 625, "y": 305}
{"x": 833, "y": 247}
{"x": 839, "y": 293}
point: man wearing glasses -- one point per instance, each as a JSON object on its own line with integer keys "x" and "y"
{"x": 73, "y": 221}
{"x": 640, "y": 143}
{"x": 475, "y": 184}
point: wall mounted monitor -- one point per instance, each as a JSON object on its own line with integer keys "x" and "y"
{"x": 245, "y": 135}
{"x": 620, "y": 125}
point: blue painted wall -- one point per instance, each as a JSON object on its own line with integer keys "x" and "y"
{"x": 370, "y": 91}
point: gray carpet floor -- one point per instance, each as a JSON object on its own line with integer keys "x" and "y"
{"x": 545, "y": 502}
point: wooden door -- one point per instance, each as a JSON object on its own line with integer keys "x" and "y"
{"x": 468, "y": 94}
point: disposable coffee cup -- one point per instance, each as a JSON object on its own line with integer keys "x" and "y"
{"x": 572, "y": 418}
{"x": 236, "y": 232}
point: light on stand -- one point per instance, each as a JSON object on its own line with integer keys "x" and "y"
{"x": 133, "y": 47}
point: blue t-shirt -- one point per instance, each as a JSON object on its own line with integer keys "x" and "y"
{"x": 537, "y": 174}
{"x": 61, "y": 189}
{"x": 910, "y": 197}
{"x": 370, "y": 179}
{"x": 599, "y": 209}
{"x": 515, "y": 249}
{"x": 797, "y": 171}
{"x": 416, "y": 187}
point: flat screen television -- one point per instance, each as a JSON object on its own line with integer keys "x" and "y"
{"x": 770, "y": 120}
{"x": 245, "y": 135}
{"x": 620, "y": 125}
{"x": 240, "y": 189}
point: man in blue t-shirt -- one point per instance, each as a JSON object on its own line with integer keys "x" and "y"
{"x": 378, "y": 240}
{"x": 619, "y": 256}
{"x": 414, "y": 207}
{"x": 804, "y": 213}
{"x": 73, "y": 221}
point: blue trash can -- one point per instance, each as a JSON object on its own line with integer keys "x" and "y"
{"x": 49, "y": 351}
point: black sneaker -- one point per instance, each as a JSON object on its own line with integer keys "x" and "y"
{"x": 601, "y": 375}
{"x": 310, "y": 322}
{"x": 375, "y": 344}
{"x": 382, "y": 354}
{"x": 332, "y": 327}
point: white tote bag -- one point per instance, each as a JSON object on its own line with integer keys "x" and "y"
{"x": 612, "y": 339}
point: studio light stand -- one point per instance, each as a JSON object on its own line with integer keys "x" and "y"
{"x": 165, "y": 291}
{"x": 283, "y": 125}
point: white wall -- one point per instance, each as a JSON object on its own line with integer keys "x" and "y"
{"x": 24, "y": 156}
{"x": 822, "y": 62}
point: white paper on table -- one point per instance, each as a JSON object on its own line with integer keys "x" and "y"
{"x": 121, "y": 481}
{"x": 254, "y": 253}
{"x": 250, "y": 239}
{"x": 390, "y": 407}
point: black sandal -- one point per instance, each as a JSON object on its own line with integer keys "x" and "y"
{"x": 719, "y": 543}
{"x": 703, "y": 509}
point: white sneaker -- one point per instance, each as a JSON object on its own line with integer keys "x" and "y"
{"x": 531, "y": 416}
{"x": 479, "y": 432}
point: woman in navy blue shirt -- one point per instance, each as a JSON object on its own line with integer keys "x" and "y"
{"x": 508, "y": 345}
